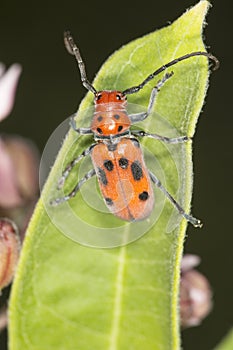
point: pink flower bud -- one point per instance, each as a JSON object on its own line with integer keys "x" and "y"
{"x": 195, "y": 294}
{"x": 18, "y": 171}
{"x": 9, "y": 251}
{"x": 8, "y": 84}
{"x": 3, "y": 318}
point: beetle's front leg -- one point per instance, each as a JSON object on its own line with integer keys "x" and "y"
{"x": 138, "y": 117}
{"x": 81, "y": 131}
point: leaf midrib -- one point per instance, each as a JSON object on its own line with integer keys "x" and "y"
{"x": 117, "y": 304}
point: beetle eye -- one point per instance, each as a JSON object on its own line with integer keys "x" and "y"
{"x": 118, "y": 97}
{"x": 98, "y": 97}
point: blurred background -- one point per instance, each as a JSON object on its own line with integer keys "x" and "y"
{"x": 31, "y": 33}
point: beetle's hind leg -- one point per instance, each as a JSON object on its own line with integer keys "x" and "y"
{"x": 72, "y": 164}
{"x": 195, "y": 222}
{"x": 60, "y": 200}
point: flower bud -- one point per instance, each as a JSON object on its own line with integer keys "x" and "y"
{"x": 8, "y": 83}
{"x": 195, "y": 293}
{"x": 18, "y": 172}
{"x": 9, "y": 251}
{"x": 3, "y": 318}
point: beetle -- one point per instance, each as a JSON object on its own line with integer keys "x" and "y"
{"x": 124, "y": 180}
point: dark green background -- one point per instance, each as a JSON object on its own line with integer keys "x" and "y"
{"x": 31, "y": 33}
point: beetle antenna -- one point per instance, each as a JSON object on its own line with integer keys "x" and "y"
{"x": 74, "y": 50}
{"x": 134, "y": 89}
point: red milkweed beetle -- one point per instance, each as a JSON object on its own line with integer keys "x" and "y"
{"x": 124, "y": 180}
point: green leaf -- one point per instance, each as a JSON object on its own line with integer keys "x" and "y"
{"x": 227, "y": 342}
{"x": 70, "y": 296}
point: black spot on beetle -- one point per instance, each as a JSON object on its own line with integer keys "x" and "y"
{"x": 120, "y": 127}
{"x": 100, "y": 118}
{"x": 123, "y": 163}
{"x": 143, "y": 196}
{"x": 108, "y": 164}
{"x": 116, "y": 116}
{"x": 102, "y": 176}
{"x": 109, "y": 201}
{"x": 136, "y": 169}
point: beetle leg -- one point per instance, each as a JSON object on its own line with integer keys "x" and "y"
{"x": 195, "y": 222}
{"x": 82, "y": 131}
{"x": 174, "y": 140}
{"x": 138, "y": 117}
{"x": 70, "y": 166}
{"x": 60, "y": 200}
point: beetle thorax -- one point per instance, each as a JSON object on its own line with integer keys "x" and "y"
{"x": 110, "y": 116}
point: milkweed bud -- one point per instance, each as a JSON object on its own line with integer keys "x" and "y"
{"x": 3, "y": 318}
{"x": 9, "y": 251}
{"x": 18, "y": 172}
{"x": 8, "y": 84}
{"x": 195, "y": 293}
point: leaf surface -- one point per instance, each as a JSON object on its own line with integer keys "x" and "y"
{"x": 227, "y": 342}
